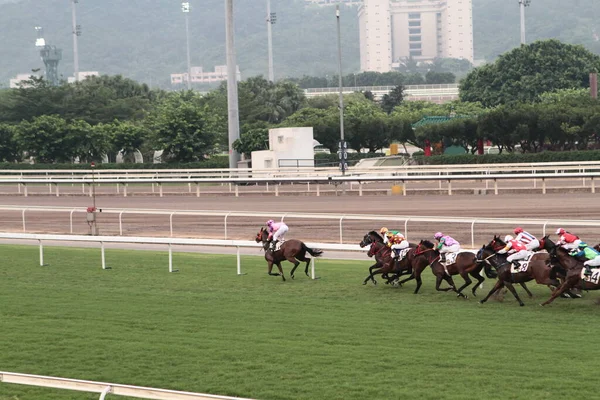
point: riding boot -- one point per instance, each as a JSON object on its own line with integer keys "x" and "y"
{"x": 588, "y": 270}
{"x": 443, "y": 258}
{"x": 274, "y": 244}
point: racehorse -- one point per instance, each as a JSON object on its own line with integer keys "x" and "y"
{"x": 426, "y": 255}
{"x": 384, "y": 261}
{"x": 464, "y": 265}
{"x": 538, "y": 268}
{"x": 574, "y": 267}
{"x": 291, "y": 250}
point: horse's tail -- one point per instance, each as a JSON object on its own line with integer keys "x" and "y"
{"x": 312, "y": 252}
{"x": 490, "y": 272}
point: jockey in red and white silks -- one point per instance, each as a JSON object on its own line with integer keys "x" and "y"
{"x": 516, "y": 249}
{"x": 530, "y": 241}
{"x": 567, "y": 240}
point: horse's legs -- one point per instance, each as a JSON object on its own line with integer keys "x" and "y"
{"x": 295, "y": 262}
{"x": 567, "y": 284}
{"x": 372, "y": 275}
{"x": 468, "y": 281}
{"x": 450, "y": 281}
{"x": 438, "y": 282}
{"x": 526, "y": 289}
{"x": 304, "y": 259}
{"x": 280, "y": 271}
{"x": 499, "y": 285}
{"x": 514, "y": 292}
{"x": 270, "y": 268}
{"x": 475, "y": 274}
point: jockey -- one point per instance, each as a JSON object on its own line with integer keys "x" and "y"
{"x": 277, "y": 231}
{"x": 395, "y": 240}
{"x": 592, "y": 255}
{"x": 567, "y": 240}
{"x": 516, "y": 249}
{"x": 530, "y": 241}
{"x": 446, "y": 245}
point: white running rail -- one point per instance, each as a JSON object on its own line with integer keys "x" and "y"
{"x": 104, "y": 388}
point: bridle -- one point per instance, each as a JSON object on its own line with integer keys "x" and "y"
{"x": 419, "y": 252}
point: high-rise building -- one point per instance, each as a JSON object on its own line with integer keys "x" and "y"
{"x": 392, "y": 31}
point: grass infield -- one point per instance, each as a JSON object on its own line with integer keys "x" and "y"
{"x": 205, "y": 329}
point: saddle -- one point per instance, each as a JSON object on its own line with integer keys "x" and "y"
{"x": 400, "y": 254}
{"x": 450, "y": 259}
{"x": 594, "y": 277}
{"x": 521, "y": 265}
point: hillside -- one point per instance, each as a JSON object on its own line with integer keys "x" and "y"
{"x": 145, "y": 39}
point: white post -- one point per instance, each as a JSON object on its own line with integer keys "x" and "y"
{"x": 121, "y": 223}
{"x": 25, "y": 190}
{"x": 496, "y": 187}
{"x": 473, "y": 234}
{"x": 171, "y": 223}
{"x": 449, "y": 188}
{"x": 23, "y": 217}
{"x": 57, "y": 194}
{"x": 90, "y": 186}
{"x": 318, "y": 190}
{"x": 360, "y": 188}
{"x": 403, "y": 188}
{"x": 71, "y": 220}
{"x": 239, "y": 264}
{"x": 276, "y": 190}
{"x": 341, "y": 237}
{"x": 170, "y": 258}
{"x": 197, "y": 189}
{"x": 102, "y": 255}
{"x": 160, "y": 190}
{"x": 237, "y": 193}
{"x": 312, "y": 268}
{"x": 543, "y": 185}
{"x": 124, "y": 190}
{"x": 593, "y": 184}
{"x": 41, "y": 254}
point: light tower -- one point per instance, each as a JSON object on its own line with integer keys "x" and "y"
{"x": 185, "y": 7}
{"x": 76, "y": 34}
{"x": 522, "y": 5}
{"x": 50, "y": 55}
{"x": 271, "y": 19}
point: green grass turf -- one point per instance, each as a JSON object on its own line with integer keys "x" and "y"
{"x": 205, "y": 329}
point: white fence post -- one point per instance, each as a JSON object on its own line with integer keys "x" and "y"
{"x": 341, "y": 236}
{"x": 312, "y": 268}
{"x": 406, "y": 227}
{"x": 121, "y": 223}
{"x": 473, "y": 233}
{"x": 23, "y": 217}
{"x": 71, "y": 220}
{"x": 239, "y": 262}
{"x": 171, "y": 223}
{"x": 41, "y": 253}
{"x": 102, "y": 255}
{"x": 225, "y": 225}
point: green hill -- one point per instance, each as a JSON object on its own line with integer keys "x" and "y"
{"x": 145, "y": 39}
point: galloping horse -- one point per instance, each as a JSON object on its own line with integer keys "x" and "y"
{"x": 574, "y": 267}
{"x": 291, "y": 250}
{"x": 538, "y": 269}
{"x": 425, "y": 255}
{"x": 464, "y": 265}
{"x": 384, "y": 262}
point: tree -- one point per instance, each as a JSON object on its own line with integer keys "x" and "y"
{"x": 254, "y": 137}
{"x": 9, "y": 149}
{"x": 366, "y": 126}
{"x": 526, "y": 72}
{"x": 393, "y": 99}
{"x": 433, "y": 77}
{"x": 184, "y": 129}
{"x": 47, "y": 139}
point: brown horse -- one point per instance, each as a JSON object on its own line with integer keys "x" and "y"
{"x": 538, "y": 269}
{"x": 425, "y": 251}
{"x": 291, "y": 250}
{"x": 384, "y": 261}
{"x": 464, "y": 265}
{"x": 574, "y": 267}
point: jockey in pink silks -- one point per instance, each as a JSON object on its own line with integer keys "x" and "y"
{"x": 446, "y": 244}
{"x": 277, "y": 231}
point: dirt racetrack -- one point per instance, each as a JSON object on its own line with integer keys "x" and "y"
{"x": 550, "y": 206}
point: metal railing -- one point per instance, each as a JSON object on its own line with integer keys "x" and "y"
{"x": 104, "y": 388}
{"x": 404, "y": 221}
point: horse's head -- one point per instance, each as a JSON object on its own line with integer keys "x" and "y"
{"x": 261, "y": 235}
{"x": 496, "y": 244}
{"x": 375, "y": 247}
{"x": 371, "y": 237}
{"x": 423, "y": 247}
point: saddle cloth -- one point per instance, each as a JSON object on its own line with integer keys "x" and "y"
{"x": 403, "y": 253}
{"x": 593, "y": 278}
{"x": 278, "y": 245}
{"x": 450, "y": 258}
{"x": 522, "y": 264}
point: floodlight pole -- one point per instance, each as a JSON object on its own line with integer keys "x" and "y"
{"x": 76, "y": 33}
{"x": 232, "y": 90}
{"x": 340, "y": 83}
{"x": 522, "y": 5}
{"x": 270, "y": 22}
{"x": 185, "y": 7}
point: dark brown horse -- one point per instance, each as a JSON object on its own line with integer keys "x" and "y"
{"x": 538, "y": 269}
{"x": 464, "y": 265}
{"x": 385, "y": 264}
{"x": 291, "y": 250}
{"x": 574, "y": 267}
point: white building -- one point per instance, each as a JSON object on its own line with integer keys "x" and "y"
{"x": 288, "y": 147}
{"x": 199, "y": 76}
{"x": 82, "y": 75}
{"x": 395, "y": 30}
{"x": 14, "y": 82}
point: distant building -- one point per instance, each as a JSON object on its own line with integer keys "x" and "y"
{"x": 83, "y": 75}
{"x": 392, "y": 31}
{"x": 326, "y": 2}
{"x": 199, "y": 76}
{"x": 14, "y": 82}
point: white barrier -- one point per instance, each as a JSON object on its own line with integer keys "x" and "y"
{"x": 169, "y": 242}
{"x": 104, "y": 388}
{"x": 336, "y": 180}
{"x": 472, "y": 222}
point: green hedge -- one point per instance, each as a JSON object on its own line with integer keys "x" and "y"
{"x": 213, "y": 162}
{"x": 546, "y": 156}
